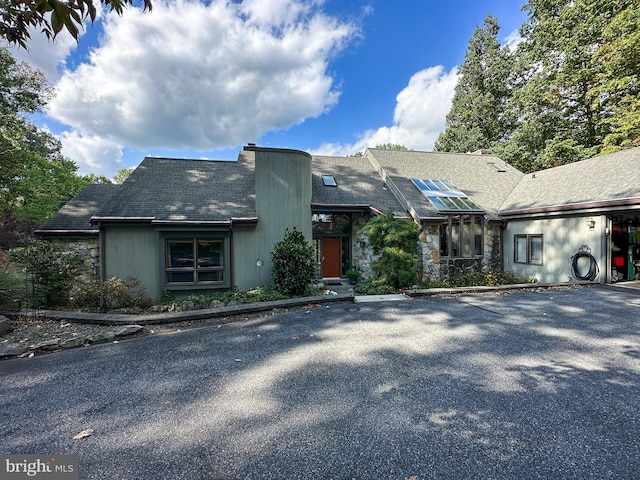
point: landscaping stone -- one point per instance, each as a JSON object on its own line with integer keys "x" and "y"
{"x": 128, "y": 330}
{"x": 12, "y": 351}
{"x": 48, "y": 345}
{"x": 216, "y": 304}
{"x": 102, "y": 337}
{"x": 5, "y": 324}
{"x": 73, "y": 342}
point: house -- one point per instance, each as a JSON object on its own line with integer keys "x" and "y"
{"x": 191, "y": 225}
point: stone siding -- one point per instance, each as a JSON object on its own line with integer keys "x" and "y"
{"x": 89, "y": 250}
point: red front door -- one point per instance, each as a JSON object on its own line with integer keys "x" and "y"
{"x": 330, "y": 257}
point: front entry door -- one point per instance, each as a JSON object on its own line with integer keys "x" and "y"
{"x": 330, "y": 257}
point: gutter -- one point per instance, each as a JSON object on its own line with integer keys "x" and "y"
{"x": 620, "y": 204}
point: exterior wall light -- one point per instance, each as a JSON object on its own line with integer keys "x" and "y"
{"x": 591, "y": 223}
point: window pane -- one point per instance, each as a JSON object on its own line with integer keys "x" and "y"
{"x": 467, "y": 237}
{"x": 477, "y": 235}
{"x": 455, "y": 237}
{"x": 210, "y": 253}
{"x": 444, "y": 240}
{"x": 521, "y": 248}
{"x": 180, "y": 277}
{"x": 535, "y": 250}
{"x": 211, "y": 276}
{"x": 180, "y": 253}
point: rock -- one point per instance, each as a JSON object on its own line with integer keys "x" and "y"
{"x": 128, "y": 330}
{"x": 233, "y": 303}
{"x": 187, "y": 305}
{"x": 73, "y": 342}
{"x": 102, "y": 337}
{"x": 12, "y": 351}
{"x": 5, "y": 325}
{"x": 48, "y": 345}
{"x": 216, "y": 304}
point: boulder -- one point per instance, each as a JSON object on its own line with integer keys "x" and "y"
{"x": 127, "y": 330}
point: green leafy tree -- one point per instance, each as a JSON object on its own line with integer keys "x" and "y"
{"x": 396, "y": 241}
{"x": 17, "y": 17}
{"x": 292, "y": 263}
{"x": 478, "y": 118}
{"x": 50, "y": 269}
{"x": 122, "y": 175}
{"x": 576, "y": 88}
{"x": 35, "y": 179}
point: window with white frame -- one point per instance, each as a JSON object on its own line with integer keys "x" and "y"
{"x": 528, "y": 249}
{"x": 195, "y": 261}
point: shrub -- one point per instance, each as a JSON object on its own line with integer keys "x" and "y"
{"x": 111, "y": 294}
{"x": 396, "y": 241}
{"x": 293, "y": 265}
{"x": 12, "y": 287}
{"x": 373, "y": 287}
{"x": 484, "y": 278}
{"x": 50, "y": 269}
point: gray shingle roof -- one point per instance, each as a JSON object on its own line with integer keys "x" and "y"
{"x": 358, "y": 184}
{"x": 476, "y": 175}
{"x": 75, "y": 214}
{"x": 609, "y": 177}
{"x": 178, "y": 190}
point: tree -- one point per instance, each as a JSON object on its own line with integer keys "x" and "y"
{"x": 383, "y": 146}
{"x": 35, "y": 178}
{"x": 122, "y": 175}
{"x": 477, "y": 117}
{"x": 396, "y": 241}
{"x": 51, "y": 16}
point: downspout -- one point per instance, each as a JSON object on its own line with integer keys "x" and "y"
{"x": 232, "y": 268}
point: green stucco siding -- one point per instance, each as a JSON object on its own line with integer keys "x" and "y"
{"x": 562, "y": 239}
{"x": 133, "y": 252}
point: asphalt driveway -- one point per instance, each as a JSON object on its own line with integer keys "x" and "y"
{"x": 542, "y": 384}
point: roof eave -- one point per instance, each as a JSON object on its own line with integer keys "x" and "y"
{"x": 618, "y": 204}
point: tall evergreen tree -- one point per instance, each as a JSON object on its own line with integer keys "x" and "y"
{"x": 478, "y": 117}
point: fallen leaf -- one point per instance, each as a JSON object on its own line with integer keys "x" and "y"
{"x": 84, "y": 433}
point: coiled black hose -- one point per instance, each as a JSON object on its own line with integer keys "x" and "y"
{"x": 593, "y": 267}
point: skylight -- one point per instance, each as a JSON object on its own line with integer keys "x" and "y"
{"x": 444, "y": 196}
{"x": 329, "y": 181}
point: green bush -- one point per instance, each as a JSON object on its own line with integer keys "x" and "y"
{"x": 50, "y": 270}
{"x": 12, "y": 288}
{"x": 111, "y": 294}
{"x": 292, "y": 263}
{"x": 373, "y": 287}
{"x": 396, "y": 241}
{"x": 484, "y": 278}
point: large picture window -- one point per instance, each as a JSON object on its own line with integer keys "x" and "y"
{"x": 528, "y": 249}
{"x": 461, "y": 236}
{"x": 195, "y": 261}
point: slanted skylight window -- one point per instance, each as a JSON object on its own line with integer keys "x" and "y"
{"x": 329, "y": 181}
{"x": 444, "y": 196}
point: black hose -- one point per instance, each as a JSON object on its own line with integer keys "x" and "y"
{"x": 593, "y": 267}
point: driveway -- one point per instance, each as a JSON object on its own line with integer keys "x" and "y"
{"x": 542, "y": 384}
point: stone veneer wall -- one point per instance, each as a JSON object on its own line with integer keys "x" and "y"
{"x": 361, "y": 254}
{"x": 433, "y": 267}
{"x": 89, "y": 249}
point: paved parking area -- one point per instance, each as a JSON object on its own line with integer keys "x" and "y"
{"x": 542, "y": 384}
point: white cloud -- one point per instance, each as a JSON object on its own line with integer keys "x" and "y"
{"x": 419, "y": 116}
{"x": 45, "y": 55}
{"x": 190, "y": 75}
{"x": 99, "y": 155}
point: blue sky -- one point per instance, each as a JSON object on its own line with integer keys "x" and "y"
{"x": 200, "y": 80}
